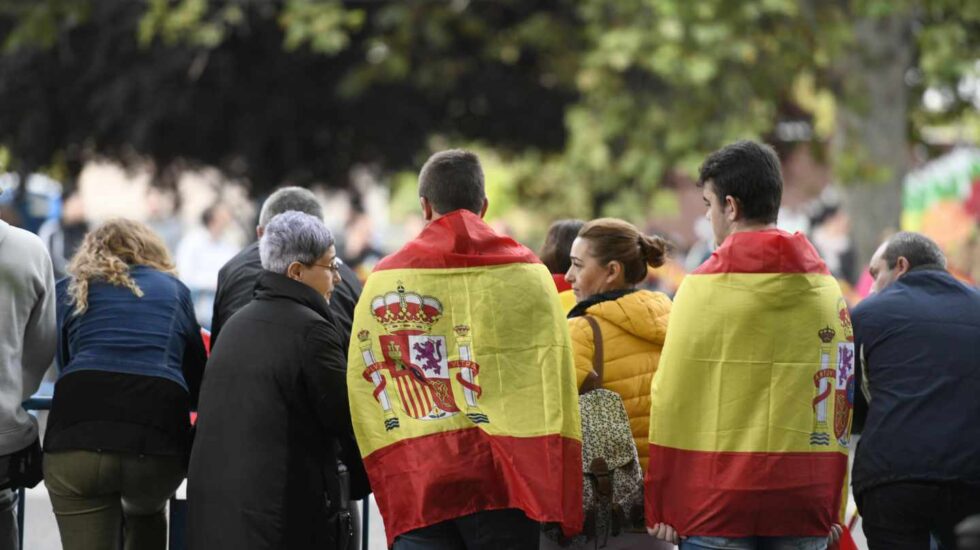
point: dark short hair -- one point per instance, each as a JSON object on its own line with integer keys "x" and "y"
{"x": 453, "y": 180}
{"x": 749, "y": 172}
{"x": 919, "y": 250}
{"x": 297, "y": 199}
{"x": 558, "y": 245}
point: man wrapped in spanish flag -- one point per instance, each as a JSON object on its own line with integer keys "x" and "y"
{"x": 751, "y": 404}
{"x": 461, "y": 380}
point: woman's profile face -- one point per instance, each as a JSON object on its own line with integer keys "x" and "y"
{"x": 587, "y": 275}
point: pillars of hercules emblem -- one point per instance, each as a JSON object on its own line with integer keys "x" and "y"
{"x": 823, "y": 380}
{"x": 373, "y": 373}
{"x": 467, "y": 375}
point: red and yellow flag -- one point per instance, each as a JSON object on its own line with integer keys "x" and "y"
{"x": 751, "y": 404}
{"x": 565, "y": 293}
{"x": 461, "y": 382}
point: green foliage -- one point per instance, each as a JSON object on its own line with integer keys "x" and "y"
{"x": 324, "y": 26}
{"x": 580, "y": 106}
{"x": 663, "y": 82}
{"x": 38, "y": 24}
{"x": 188, "y": 22}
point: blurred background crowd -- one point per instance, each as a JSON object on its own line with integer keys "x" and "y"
{"x": 187, "y": 113}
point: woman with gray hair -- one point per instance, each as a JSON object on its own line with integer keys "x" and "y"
{"x": 274, "y": 421}
{"x": 295, "y": 245}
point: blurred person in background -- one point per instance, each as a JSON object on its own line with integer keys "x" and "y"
{"x": 63, "y": 235}
{"x": 555, "y": 256}
{"x": 27, "y": 343}
{"x": 917, "y": 468}
{"x": 274, "y": 419}
{"x": 200, "y": 255}
{"x": 236, "y": 279}
{"x": 702, "y": 248}
{"x": 359, "y": 249}
{"x": 131, "y": 359}
{"x": 161, "y": 216}
{"x": 609, "y": 258}
{"x": 831, "y": 235}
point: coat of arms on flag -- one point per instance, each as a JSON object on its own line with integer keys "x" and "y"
{"x": 834, "y": 382}
{"x": 417, "y": 361}
{"x": 844, "y": 391}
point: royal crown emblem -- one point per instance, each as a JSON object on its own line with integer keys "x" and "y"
{"x": 417, "y": 361}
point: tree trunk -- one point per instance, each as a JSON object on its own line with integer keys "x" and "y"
{"x": 872, "y": 146}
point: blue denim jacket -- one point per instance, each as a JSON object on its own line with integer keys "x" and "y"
{"x": 123, "y": 333}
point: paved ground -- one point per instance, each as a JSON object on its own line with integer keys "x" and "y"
{"x": 41, "y": 531}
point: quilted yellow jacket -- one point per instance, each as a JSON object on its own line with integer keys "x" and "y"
{"x": 633, "y": 329}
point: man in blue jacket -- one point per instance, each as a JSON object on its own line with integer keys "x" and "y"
{"x": 917, "y": 469}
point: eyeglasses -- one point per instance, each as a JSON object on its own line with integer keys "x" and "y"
{"x": 332, "y": 266}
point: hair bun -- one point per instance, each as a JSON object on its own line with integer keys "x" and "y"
{"x": 654, "y": 249}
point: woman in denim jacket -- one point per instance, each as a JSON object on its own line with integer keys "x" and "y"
{"x": 131, "y": 359}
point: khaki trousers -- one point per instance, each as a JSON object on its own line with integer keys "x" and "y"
{"x": 95, "y": 494}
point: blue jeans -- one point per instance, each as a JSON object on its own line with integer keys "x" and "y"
{"x": 754, "y": 543}
{"x": 489, "y": 530}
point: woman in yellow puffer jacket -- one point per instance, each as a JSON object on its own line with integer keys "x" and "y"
{"x": 608, "y": 259}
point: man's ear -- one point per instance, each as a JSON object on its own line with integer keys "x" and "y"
{"x": 486, "y": 204}
{"x": 901, "y": 266}
{"x": 733, "y": 209}
{"x": 427, "y": 212}
{"x": 259, "y": 231}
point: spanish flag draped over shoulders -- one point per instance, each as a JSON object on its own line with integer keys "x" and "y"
{"x": 461, "y": 382}
{"x": 751, "y": 405}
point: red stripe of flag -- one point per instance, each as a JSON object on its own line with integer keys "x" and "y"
{"x": 426, "y": 480}
{"x": 458, "y": 239}
{"x": 728, "y": 494}
{"x": 560, "y": 283}
{"x": 768, "y": 251}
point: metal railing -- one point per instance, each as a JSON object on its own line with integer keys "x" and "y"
{"x": 178, "y": 512}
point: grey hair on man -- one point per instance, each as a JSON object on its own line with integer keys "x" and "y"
{"x": 285, "y": 199}
{"x": 293, "y": 237}
{"x": 920, "y": 251}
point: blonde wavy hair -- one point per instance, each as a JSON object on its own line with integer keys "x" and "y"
{"x": 107, "y": 254}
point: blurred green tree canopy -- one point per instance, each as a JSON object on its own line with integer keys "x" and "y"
{"x": 272, "y": 91}
{"x": 591, "y": 102}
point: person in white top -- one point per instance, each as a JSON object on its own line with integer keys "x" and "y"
{"x": 200, "y": 255}
{"x": 27, "y": 344}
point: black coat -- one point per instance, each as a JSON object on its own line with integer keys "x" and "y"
{"x": 236, "y": 282}
{"x": 273, "y": 408}
{"x": 921, "y": 367}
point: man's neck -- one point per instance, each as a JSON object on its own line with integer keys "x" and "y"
{"x": 745, "y": 227}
